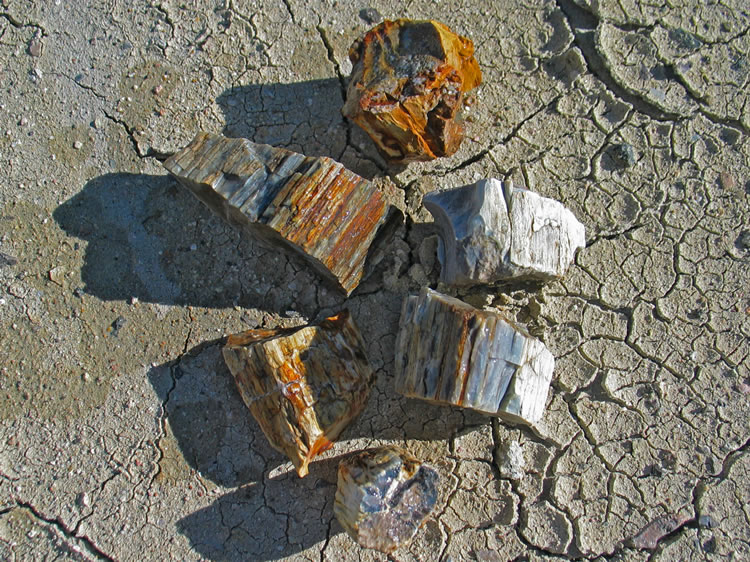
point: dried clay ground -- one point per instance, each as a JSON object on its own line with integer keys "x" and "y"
{"x": 122, "y": 436}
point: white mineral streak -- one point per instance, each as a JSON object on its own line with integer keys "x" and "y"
{"x": 491, "y": 230}
{"x": 449, "y": 352}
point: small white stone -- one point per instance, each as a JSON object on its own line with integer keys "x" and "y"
{"x": 77, "y": 145}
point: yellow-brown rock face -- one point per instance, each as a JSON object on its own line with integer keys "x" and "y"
{"x": 303, "y": 385}
{"x": 407, "y": 85}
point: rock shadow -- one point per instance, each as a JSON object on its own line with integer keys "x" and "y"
{"x": 304, "y": 117}
{"x": 213, "y": 428}
{"x": 268, "y": 520}
{"x": 150, "y": 239}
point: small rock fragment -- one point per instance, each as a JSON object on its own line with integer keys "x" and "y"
{"x": 303, "y": 385}
{"x": 623, "y": 155}
{"x": 7, "y": 260}
{"x": 684, "y": 39}
{"x": 117, "y": 325}
{"x": 384, "y": 496}
{"x": 370, "y": 15}
{"x": 407, "y": 86}
{"x": 313, "y": 206}
{"x": 726, "y": 180}
{"x": 648, "y": 538}
{"x": 57, "y": 275}
{"x": 36, "y": 47}
{"x": 511, "y": 461}
{"x": 83, "y": 499}
{"x": 449, "y": 352}
{"x": 491, "y": 230}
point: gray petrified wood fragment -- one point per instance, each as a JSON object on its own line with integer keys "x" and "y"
{"x": 384, "y": 496}
{"x": 491, "y": 230}
{"x": 313, "y": 206}
{"x": 449, "y": 352}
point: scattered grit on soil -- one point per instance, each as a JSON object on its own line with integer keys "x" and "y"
{"x": 121, "y": 434}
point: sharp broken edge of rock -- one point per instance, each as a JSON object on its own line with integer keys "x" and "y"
{"x": 407, "y": 86}
{"x": 384, "y": 496}
{"x": 302, "y": 385}
{"x": 449, "y": 352}
{"x": 491, "y": 230}
{"x": 313, "y": 206}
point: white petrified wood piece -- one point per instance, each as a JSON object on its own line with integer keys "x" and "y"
{"x": 450, "y": 352}
{"x": 491, "y": 230}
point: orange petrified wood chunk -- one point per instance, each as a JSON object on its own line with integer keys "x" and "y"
{"x": 303, "y": 385}
{"x": 407, "y": 85}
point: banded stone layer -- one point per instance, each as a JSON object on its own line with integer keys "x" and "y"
{"x": 491, "y": 231}
{"x": 313, "y": 206}
{"x": 407, "y": 86}
{"x": 384, "y": 496}
{"x": 449, "y": 352}
{"x": 302, "y": 385}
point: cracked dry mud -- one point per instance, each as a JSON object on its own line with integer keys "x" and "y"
{"x": 121, "y": 434}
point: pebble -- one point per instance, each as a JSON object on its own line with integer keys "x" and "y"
{"x": 77, "y": 145}
{"x": 623, "y": 155}
{"x": 83, "y": 499}
{"x": 726, "y": 180}
{"x": 57, "y": 275}
{"x": 370, "y": 15}
{"x": 36, "y": 47}
{"x": 117, "y": 325}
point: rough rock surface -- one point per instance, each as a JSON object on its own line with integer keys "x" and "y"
{"x": 313, "y": 206}
{"x": 383, "y": 497}
{"x": 303, "y": 385}
{"x": 449, "y": 352}
{"x": 139, "y": 447}
{"x": 407, "y": 86}
{"x": 491, "y": 231}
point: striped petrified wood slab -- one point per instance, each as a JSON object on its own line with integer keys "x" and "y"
{"x": 303, "y": 385}
{"x": 313, "y": 206}
{"x": 449, "y": 352}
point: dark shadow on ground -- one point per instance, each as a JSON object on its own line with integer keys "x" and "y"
{"x": 271, "y": 519}
{"x": 304, "y": 117}
{"x": 150, "y": 239}
{"x": 212, "y": 426}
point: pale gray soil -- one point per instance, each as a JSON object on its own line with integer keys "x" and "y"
{"x": 121, "y": 433}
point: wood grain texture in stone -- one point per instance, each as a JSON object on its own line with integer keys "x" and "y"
{"x": 407, "y": 86}
{"x": 313, "y": 206}
{"x": 303, "y": 385}
{"x": 384, "y": 496}
{"x": 452, "y": 353}
{"x": 491, "y": 230}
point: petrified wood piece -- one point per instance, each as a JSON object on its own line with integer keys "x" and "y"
{"x": 384, "y": 496}
{"x": 407, "y": 86}
{"x": 449, "y": 352}
{"x": 303, "y": 385}
{"x": 313, "y": 206}
{"x": 491, "y": 230}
